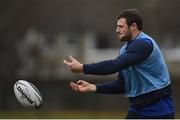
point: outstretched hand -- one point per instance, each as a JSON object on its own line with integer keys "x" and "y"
{"x": 74, "y": 65}
{"x": 82, "y": 86}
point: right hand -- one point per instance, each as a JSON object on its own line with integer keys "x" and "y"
{"x": 74, "y": 65}
{"x": 82, "y": 86}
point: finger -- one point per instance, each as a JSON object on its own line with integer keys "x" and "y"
{"x": 71, "y": 83}
{"x": 73, "y": 86}
{"x": 77, "y": 88}
{"x": 66, "y": 62}
{"x": 71, "y": 58}
{"x": 79, "y": 82}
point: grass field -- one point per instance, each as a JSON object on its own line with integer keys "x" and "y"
{"x": 64, "y": 115}
{"x": 61, "y": 115}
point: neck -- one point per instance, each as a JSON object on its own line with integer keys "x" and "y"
{"x": 135, "y": 34}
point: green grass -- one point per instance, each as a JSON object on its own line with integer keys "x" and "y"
{"x": 61, "y": 115}
{"x": 64, "y": 115}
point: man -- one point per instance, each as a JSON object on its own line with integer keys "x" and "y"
{"x": 142, "y": 72}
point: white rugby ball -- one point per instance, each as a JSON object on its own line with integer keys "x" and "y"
{"x": 27, "y": 94}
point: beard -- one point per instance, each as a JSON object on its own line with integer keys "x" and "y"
{"x": 126, "y": 37}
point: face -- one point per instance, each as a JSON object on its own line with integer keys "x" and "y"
{"x": 123, "y": 31}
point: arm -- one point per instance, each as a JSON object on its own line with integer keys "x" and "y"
{"x": 113, "y": 87}
{"x": 136, "y": 52}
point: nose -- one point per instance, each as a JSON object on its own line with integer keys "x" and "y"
{"x": 117, "y": 30}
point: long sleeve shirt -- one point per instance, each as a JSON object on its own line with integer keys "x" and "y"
{"x": 137, "y": 51}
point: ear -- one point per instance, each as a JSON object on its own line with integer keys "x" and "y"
{"x": 134, "y": 26}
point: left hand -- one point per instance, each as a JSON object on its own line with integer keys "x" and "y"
{"x": 82, "y": 86}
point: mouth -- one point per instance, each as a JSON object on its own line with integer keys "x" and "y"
{"x": 120, "y": 35}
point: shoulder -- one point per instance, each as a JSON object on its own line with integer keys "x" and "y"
{"x": 141, "y": 45}
{"x": 144, "y": 41}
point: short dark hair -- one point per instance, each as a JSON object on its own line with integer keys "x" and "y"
{"x": 132, "y": 16}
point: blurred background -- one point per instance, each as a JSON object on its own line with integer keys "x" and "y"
{"x": 36, "y": 35}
